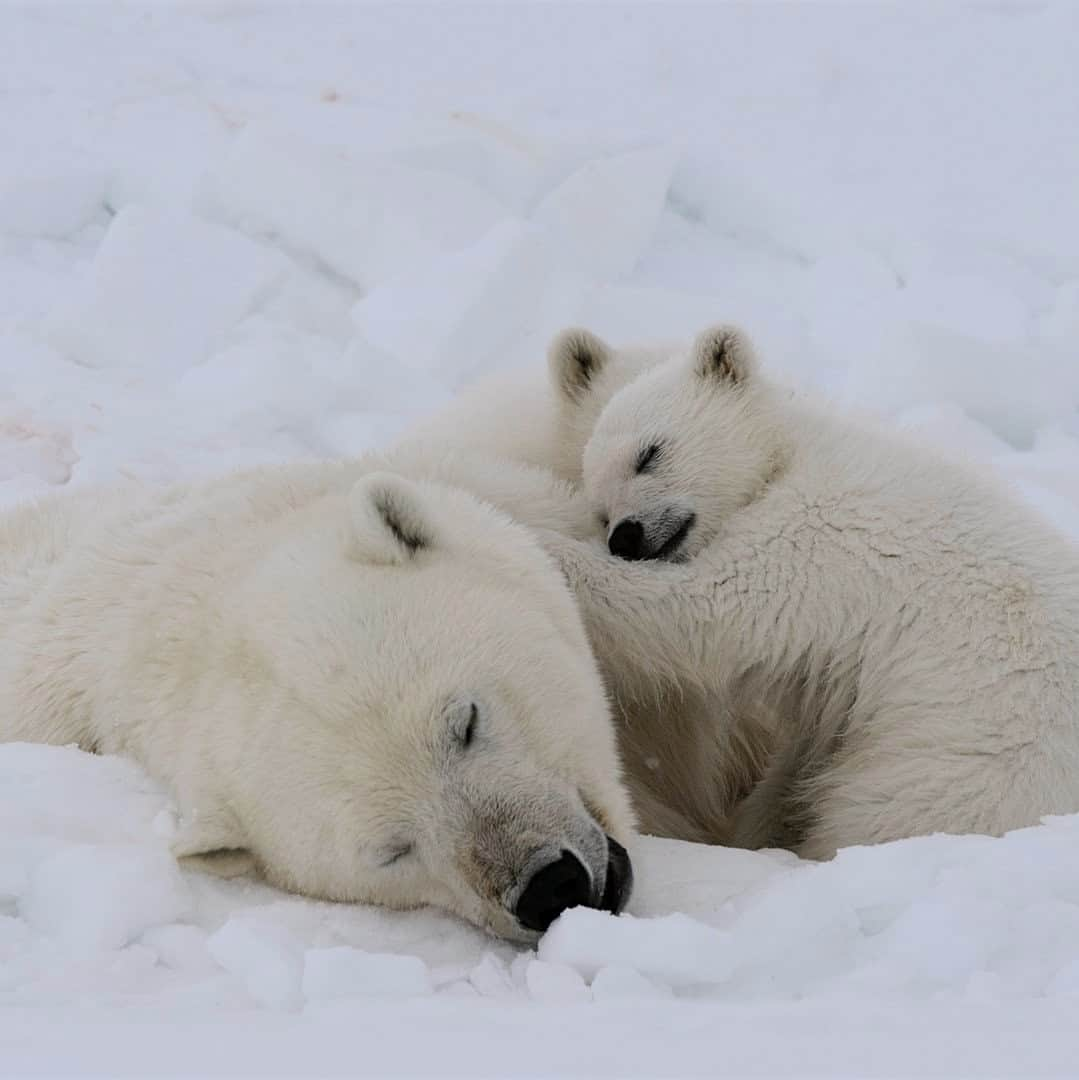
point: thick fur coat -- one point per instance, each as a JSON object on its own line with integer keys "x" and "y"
{"x": 909, "y": 624}
{"x": 366, "y": 684}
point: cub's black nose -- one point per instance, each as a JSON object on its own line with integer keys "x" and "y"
{"x": 561, "y": 884}
{"x": 627, "y": 540}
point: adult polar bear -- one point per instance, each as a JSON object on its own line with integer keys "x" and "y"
{"x": 370, "y": 687}
{"x": 915, "y": 629}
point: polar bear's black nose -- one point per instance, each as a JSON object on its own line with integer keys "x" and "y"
{"x": 619, "y": 883}
{"x": 561, "y": 884}
{"x": 627, "y": 540}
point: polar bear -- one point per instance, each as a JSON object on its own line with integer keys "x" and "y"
{"x": 913, "y": 626}
{"x": 369, "y": 686}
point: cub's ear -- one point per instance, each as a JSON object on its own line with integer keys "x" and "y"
{"x": 214, "y": 844}
{"x": 390, "y": 521}
{"x": 574, "y": 358}
{"x": 724, "y": 354}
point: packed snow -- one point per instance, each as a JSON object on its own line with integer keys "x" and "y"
{"x": 236, "y": 232}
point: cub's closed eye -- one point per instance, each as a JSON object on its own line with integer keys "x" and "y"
{"x": 647, "y": 458}
{"x": 395, "y": 854}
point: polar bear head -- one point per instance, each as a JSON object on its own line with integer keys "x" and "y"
{"x": 420, "y": 719}
{"x": 672, "y": 454}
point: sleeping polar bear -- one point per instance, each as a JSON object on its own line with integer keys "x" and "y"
{"x": 369, "y": 686}
{"x": 914, "y": 627}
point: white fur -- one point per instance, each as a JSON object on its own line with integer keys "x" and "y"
{"x": 295, "y": 653}
{"x": 913, "y": 627}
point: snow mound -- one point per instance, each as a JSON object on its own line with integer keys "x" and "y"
{"x": 103, "y": 896}
{"x": 52, "y": 204}
{"x": 364, "y": 216}
{"x": 962, "y": 918}
{"x": 462, "y": 311}
{"x": 153, "y": 315}
{"x": 602, "y": 218}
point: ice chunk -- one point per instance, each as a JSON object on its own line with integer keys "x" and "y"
{"x": 554, "y": 983}
{"x": 497, "y": 159}
{"x": 342, "y": 971}
{"x": 491, "y": 977}
{"x": 265, "y": 956}
{"x": 603, "y": 216}
{"x": 617, "y": 983}
{"x": 181, "y": 947}
{"x": 366, "y": 216}
{"x": 1059, "y": 325}
{"x": 163, "y": 288}
{"x": 101, "y": 896}
{"x": 1009, "y": 387}
{"x": 54, "y": 204}
{"x": 146, "y": 168}
{"x": 469, "y": 306}
{"x": 676, "y": 949}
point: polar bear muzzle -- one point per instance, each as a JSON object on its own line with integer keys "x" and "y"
{"x": 658, "y": 537}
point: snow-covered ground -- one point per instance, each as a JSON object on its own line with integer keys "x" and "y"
{"x": 239, "y": 232}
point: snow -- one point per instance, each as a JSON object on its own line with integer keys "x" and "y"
{"x": 153, "y": 315}
{"x": 245, "y": 232}
{"x": 341, "y": 972}
{"x": 266, "y": 957}
{"x": 554, "y": 983}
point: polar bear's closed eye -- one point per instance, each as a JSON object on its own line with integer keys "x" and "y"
{"x": 394, "y": 852}
{"x": 464, "y": 722}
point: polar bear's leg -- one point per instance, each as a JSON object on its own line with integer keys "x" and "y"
{"x": 888, "y": 793}
{"x": 780, "y": 810}
{"x": 772, "y": 815}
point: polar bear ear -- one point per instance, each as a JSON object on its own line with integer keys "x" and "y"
{"x": 574, "y": 359}
{"x": 213, "y": 843}
{"x": 390, "y": 523}
{"x": 724, "y": 354}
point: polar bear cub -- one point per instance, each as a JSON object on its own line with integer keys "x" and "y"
{"x": 370, "y": 687}
{"x": 913, "y": 626}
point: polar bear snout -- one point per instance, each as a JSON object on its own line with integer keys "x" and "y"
{"x": 660, "y": 537}
{"x": 565, "y": 882}
{"x": 627, "y": 540}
